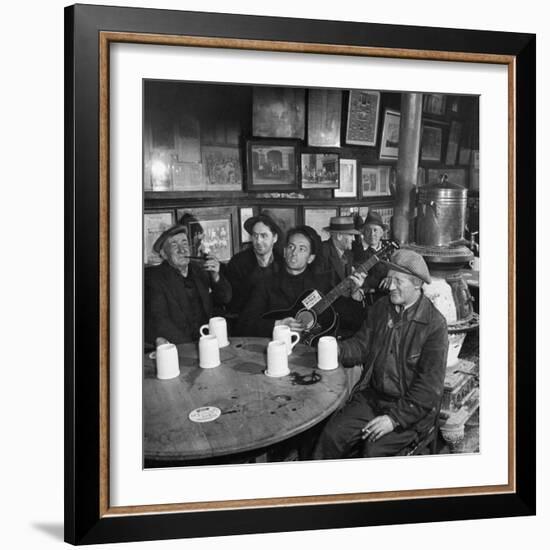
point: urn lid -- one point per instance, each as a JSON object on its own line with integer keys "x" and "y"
{"x": 443, "y": 190}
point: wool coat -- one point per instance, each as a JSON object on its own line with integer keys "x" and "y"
{"x": 167, "y": 307}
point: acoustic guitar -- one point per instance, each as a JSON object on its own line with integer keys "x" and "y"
{"x": 315, "y": 311}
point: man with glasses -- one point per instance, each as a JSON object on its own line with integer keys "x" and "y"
{"x": 179, "y": 294}
{"x": 403, "y": 346}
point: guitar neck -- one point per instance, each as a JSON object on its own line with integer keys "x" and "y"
{"x": 344, "y": 286}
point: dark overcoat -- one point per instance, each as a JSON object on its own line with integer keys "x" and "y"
{"x": 167, "y": 309}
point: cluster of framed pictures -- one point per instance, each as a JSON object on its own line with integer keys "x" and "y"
{"x": 280, "y": 165}
{"x": 285, "y": 139}
{"x": 432, "y": 140}
{"x": 220, "y": 230}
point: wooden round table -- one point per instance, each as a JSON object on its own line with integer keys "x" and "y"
{"x": 256, "y": 410}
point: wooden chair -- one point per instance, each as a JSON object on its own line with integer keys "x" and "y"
{"x": 427, "y": 441}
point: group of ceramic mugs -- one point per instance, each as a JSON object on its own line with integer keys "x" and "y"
{"x": 282, "y": 345}
{"x": 214, "y": 336}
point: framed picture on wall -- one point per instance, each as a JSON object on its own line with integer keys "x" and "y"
{"x": 187, "y": 176}
{"x": 320, "y": 170}
{"x": 348, "y": 179}
{"x": 389, "y": 143}
{"x": 278, "y": 112}
{"x": 210, "y": 230}
{"x": 272, "y": 165}
{"x": 222, "y": 168}
{"x": 154, "y": 223}
{"x": 363, "y": 109}
{"x": 432, "y": 137}
{"x": 324, "y": 116}
{"x": 434, "y": 104}
{"x": 375, "y": 181}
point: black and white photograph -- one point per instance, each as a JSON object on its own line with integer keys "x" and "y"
{"x": 348, "y": 179}
{"x": 389, "y": 144}
{"x": 271, "y": 323}
{"x": 272, "y": 166}
{"x": 320, "y": 170}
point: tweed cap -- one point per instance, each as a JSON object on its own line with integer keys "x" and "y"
{"x": 409, "y": 262}
{"x": 170, "y": 232}
{"x": 374, "y": 218}
{"x": 308, "y": 232}
{"x": 342, "y": 224}
{"x": 266, "y": 220}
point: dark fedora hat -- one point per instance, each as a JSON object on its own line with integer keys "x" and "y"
{"x": 342, "y": 224}
{"x": 170, "y": 232}
{"x": 266, "y": 220}
{"x": 374, "y": 218}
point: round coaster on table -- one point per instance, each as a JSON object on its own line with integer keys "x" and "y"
{"x": 204, "y": 414}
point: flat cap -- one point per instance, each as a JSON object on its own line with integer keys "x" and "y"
{"x": 409, "y": 262}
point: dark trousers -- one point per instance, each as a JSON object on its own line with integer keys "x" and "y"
{"x": 342, "y": 434}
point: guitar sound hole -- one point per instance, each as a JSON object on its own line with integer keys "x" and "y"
{"x": 307, "y": 318}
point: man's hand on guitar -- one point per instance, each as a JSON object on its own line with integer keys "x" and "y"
{"x": 291, "y": 323}
{"x": 358, "y": 279}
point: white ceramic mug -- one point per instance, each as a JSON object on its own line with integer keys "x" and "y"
{"x": 167, "y": 361}
{"x": 284, "y": 334}
{"x": 216, "y": 326}
{"x": 277, "y": 359}
{"x": 209, "y": 352}
{"x": 327, "y": 353}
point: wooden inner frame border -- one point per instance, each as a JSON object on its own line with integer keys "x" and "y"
{"x": 105, "y": 40}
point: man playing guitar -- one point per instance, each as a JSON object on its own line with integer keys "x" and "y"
{"x": 280, "y": 292}
{"x": 298, "y": 297}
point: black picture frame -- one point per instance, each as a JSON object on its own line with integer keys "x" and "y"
{"x": 88, "y": 516}
{"x": 280, "y": 168}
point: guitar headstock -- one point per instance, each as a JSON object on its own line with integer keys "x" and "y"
{"x": 388, "y": 248}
